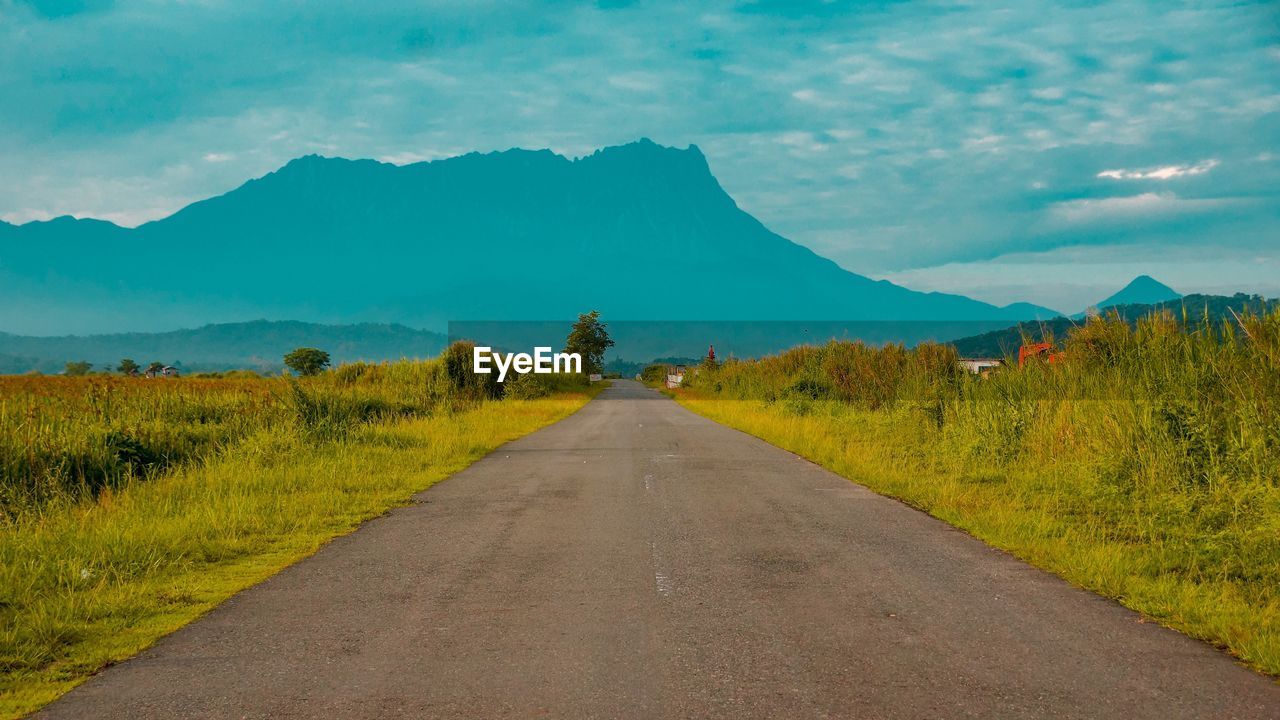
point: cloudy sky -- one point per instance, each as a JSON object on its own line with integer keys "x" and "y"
{"x": 1035, "y": 151}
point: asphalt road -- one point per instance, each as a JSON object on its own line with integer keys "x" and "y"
{"x": 636, "y": 560}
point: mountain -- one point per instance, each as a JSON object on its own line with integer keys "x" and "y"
{"x": 640, "y": 232}
{"x": 1195, "y": 308}
{"x": 258, "y": 345}
{"x": 1030, "y": 311}
{"x": 1142, "y": 290}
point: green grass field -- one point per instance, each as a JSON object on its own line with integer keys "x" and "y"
{"x": 133, "y": 506}
{"x": 1143, "y": 464}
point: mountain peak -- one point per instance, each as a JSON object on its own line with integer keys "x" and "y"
{"x": 648, "y": 148}
{"x": 639, "y": 155}
{"x": 313, "y": 162}
{"x": 308, "y": 158}
{"x": 1142, "y": 290}
{"x": 645, "y": 161}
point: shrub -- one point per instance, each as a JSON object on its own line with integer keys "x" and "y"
{"x": 654, "y": 374}
{"x": 528, "y": 386}
{"x": 77, "y": 368}
{"x": 349, "y": 373}
{"x": 465, "y": 382}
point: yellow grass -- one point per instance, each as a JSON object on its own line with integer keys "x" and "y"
{"x": 92, "y": 582}
{"x": 1051, "y": 504}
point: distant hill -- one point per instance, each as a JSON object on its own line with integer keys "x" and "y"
{"x": 1002, "y": 343}
{"x": 1031, "y": 311}
{"x": 639, "y": 232}
{"x": 258, "y": 345}
{"x": 1142, "y": 290}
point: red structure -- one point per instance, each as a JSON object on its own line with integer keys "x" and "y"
{"x": 1043, "y": 351}
{"x": 711, "y": 353}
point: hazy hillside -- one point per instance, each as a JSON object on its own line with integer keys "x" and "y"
{"x": 638, "y": 232}
{"x": 258, "y": 345}
{"x": 1001, "y": 343}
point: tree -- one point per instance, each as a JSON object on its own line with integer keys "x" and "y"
{"x": 590, "y": 339}
{"x": 155, "y": 368}
{"x": 128, "y": 367}
{"x": 307, "y": 361}
{"x": 77, "y": 368}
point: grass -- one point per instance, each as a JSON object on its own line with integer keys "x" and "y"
{"x": 1143, "y": 464}
{"x": 225, "y": 482}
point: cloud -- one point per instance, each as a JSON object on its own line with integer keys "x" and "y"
{"x": 1146, "y": 205}
{"x": 410, "y": 157}
{"x": 19, "y": 216}
{"x": 636, "y": 82}
{"x": 986, "y": 143}
{"x": 810, "y": 96}
{"x": 1167, "y": 172}
{"x": 888, "y": 136}
{"x": 802, "y": 142}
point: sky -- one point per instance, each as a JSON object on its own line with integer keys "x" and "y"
{"x": 1034, "y": 151}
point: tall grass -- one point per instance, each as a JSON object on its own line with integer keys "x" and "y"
{"x": 1144, "y": 463}
{"x": 66, "y": 439}
{"x": 133, "y": 506}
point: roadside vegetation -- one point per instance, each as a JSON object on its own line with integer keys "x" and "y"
{"x": 1143, "y": 463}
{"x": 129, "y": 507}
{"x": 1212, "y": 308}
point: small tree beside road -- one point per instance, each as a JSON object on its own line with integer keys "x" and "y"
{"x": 590, "y": 339}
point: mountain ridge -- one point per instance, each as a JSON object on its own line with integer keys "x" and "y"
{"x": 503, "y": 235}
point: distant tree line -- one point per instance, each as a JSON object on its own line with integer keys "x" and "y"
{"x": 588, "y": 337}
{"x": 127, "y": 366}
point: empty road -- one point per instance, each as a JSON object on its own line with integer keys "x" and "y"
{"x": 638, "y": 561}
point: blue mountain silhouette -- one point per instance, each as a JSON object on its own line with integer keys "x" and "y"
{"x": 1142, "y": 290}
{"x": 639, "y": 231}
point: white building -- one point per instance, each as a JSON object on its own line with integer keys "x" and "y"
{"x": 675, "y": 376}
{"x": 980, "y": 366}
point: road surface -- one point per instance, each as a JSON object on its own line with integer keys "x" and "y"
{"x": 638, "y": 561}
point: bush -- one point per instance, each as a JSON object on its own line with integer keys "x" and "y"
{"x": 350, "y": 373}
{"x": 528, "y": 386}
{"x": 654, "y": 374}
{"x": 77, "y": 368}
{"x": 465, "y": 382}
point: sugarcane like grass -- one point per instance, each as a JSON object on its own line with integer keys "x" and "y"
{"x": 1143, "y": 464}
